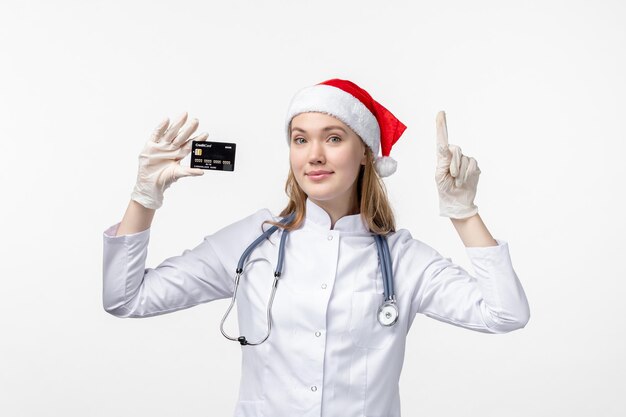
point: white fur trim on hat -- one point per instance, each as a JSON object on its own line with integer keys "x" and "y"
{"x": 385, "y": 165}
{"x": 340, "y": 104}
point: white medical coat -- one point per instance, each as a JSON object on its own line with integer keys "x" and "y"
{"x": 327, "y": 355}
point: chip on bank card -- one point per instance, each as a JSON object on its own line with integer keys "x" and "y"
{"x": 218, "y": 156}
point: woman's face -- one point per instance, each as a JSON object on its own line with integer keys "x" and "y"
{"x": 320, "y": 142}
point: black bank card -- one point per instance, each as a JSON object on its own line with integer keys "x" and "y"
{"x": 218, "y": 156}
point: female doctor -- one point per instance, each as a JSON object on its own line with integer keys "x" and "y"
{"x": 325, "y": 347}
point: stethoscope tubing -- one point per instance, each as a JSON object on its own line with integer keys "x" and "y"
{"x": 387, "y": 256}
{"x": 384, "y": 257}
{"x": 253, "y": 245}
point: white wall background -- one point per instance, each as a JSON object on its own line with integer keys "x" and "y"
{"x": 533, "y": 90}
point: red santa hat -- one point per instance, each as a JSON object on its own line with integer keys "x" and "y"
{"x": 354, "y": 106}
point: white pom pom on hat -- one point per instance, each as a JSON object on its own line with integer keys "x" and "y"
{"x": 354, "y": 106}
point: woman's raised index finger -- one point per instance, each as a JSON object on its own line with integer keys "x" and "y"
{"x": 442, "y": 130}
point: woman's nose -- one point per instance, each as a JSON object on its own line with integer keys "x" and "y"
{"x": 316, "y": 151}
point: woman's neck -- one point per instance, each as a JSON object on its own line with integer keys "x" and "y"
{"x": 336, "y": 209}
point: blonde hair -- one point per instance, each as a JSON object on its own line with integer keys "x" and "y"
{"x": 372, "y": 199}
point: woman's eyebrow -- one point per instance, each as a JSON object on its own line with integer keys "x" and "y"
{"x": 327, "y": 128}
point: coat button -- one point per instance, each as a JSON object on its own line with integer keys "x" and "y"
{"x": 323, "y": 286}
{"x": 318, "y": 334}
{"x": 330, "y": 237}
{"x": 313, "y": 388}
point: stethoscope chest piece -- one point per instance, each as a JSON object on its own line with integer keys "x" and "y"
{"x": 388, "y": 313}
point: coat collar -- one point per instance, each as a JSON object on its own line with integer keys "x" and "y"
{"x": 317, "y": 218}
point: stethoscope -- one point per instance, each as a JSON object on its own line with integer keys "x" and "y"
{"x": 387, "y": 312}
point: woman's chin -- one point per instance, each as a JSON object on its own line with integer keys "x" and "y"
{"x": 321, "y": 194}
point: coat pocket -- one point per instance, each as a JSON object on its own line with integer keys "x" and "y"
{"x": 365, "y": 329}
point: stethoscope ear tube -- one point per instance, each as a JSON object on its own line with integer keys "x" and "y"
{"x": 249, "y": 249}
{"x": 242, "y": 339}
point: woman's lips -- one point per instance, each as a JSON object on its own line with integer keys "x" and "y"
{"x": 318, "y": 177}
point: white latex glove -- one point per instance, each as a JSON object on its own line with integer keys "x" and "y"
{"x": 159, "y": 161}
{"x": 456, "y": 176}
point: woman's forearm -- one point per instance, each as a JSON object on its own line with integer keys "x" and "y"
{"x": 136, "y": 219}
{"x": 473, "y": 231}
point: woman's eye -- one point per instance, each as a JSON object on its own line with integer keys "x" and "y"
{"x": 332, "y": 137}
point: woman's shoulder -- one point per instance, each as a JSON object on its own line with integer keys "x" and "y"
{"x": 399, "y": 237}
{"x": 403, "y": 241}
{"x": 251, "y": 224}
{"x": 230, "y": 241}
